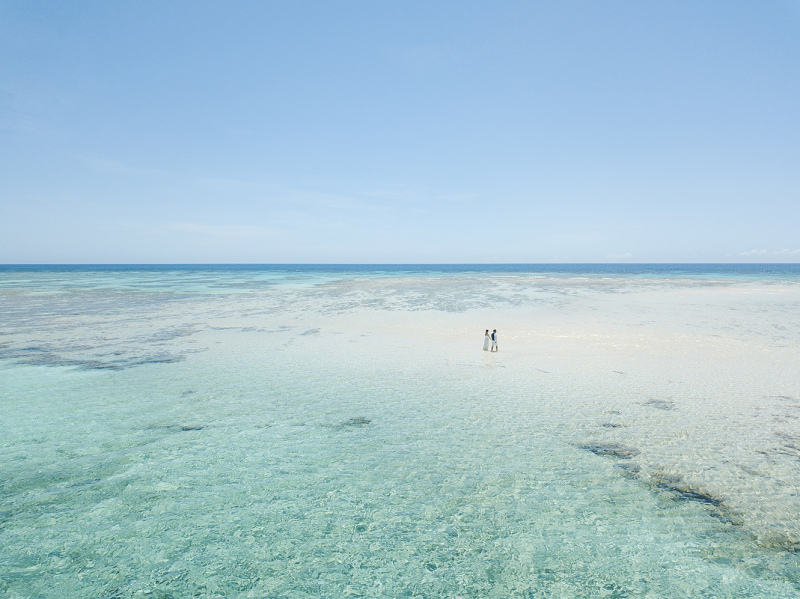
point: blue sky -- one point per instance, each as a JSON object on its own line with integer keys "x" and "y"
{"x": 381, "y": 131}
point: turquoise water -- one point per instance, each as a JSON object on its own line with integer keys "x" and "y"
{"x": 302, "y": 432}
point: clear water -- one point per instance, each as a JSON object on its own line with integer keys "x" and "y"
{"x": 307, "y": 431}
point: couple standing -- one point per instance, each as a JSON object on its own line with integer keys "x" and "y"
{"x": 490, "y": 338}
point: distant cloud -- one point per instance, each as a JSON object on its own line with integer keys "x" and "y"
{"x": 784, "y": 252}
{"x": 618, "y": 256}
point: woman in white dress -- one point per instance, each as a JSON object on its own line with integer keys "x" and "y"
{"x": 486, "y": 341}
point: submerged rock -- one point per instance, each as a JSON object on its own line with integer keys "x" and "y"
{"x": 699, "y": 496}
{"x": 614, "y": 450}
{"x": 160, "y": 359}
{"x": 660, "y": 404}
{"x": 629, "y": 470}
{"x": 96, "y": 365}
{"x": 176, "y": 427}
{"x": 357, "y": 421}
{"x": 781, "y": 541}
{"x": 682, "y": 490}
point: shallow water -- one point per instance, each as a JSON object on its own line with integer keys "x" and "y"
{"x": 299, "y": 433}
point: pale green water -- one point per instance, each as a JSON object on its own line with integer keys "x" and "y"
{"x": 265, "y": 437}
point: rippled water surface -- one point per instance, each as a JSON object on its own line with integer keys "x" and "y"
{"x": 337, "y": 431}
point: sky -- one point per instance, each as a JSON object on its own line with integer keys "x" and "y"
{"x": 399, "y": 131}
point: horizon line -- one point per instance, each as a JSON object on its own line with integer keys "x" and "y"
{"x": 23, "y": 264}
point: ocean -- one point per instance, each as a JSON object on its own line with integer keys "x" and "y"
{"x": 337, "y": 431}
